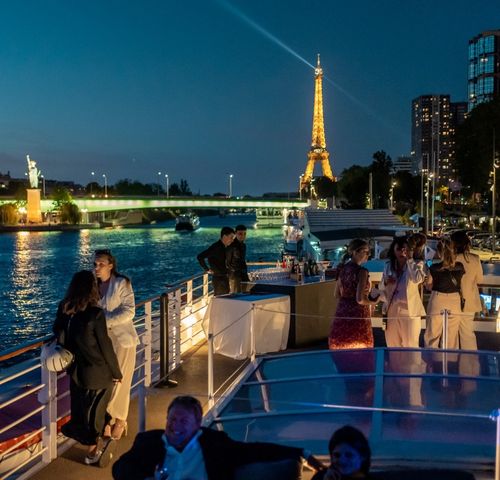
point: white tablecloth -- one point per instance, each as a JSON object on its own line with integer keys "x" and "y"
{"x": 229, "y": 319}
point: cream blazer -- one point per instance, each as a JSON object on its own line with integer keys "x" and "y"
{"x": 412, "y": 277}
{"x": 119, "y": 308}
{"x": 472, "y": 277}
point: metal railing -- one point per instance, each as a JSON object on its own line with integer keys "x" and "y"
{"x": 35, "y": 402}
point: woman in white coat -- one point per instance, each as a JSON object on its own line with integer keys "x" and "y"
{"x": 118, "y": 303}
{"x": 402, "y": 303}
{"x": 470, "y": 292}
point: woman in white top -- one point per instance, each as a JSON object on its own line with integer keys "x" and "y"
{"x": 118, "y": 303}
{"x": 470, "y": 292}
{"x": 402, "y": 303}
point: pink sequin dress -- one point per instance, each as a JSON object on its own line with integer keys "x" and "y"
{"x": 352, "y": 326}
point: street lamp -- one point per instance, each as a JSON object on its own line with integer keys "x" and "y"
{"x": 91, "y": 184}
{"x": 159, "y": 183}
{"x": 105, "y": 185}
{"x": 230, "y": 185}
{"x": 393, "y": 184}
{"x": 43, "y": 185}
{"x": 427, "y": 194}
{"x": 496, "y": 164}
{"x": 300, "y": 186}
{"x": 166, "y": 179}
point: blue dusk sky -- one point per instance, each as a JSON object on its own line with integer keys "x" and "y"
{"x": 199, "y": 89}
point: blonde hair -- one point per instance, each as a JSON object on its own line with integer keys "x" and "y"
{"x": 446, "y": 251}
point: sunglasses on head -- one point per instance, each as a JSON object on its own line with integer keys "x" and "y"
{"x": 103, "y": 251}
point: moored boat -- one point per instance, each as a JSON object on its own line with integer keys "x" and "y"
{"x": 187, "y": 222}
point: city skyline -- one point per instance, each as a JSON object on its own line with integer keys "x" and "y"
{"x": 202, "y": 90}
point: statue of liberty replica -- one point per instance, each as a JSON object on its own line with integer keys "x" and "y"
{"x": 34, "y": 210}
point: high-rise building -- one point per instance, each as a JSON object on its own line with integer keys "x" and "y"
{"x": 458, "y": 113}
{"x": 405, "y": 164}
{"x": 430, "y": 135}
{"x": 484, "y": 68}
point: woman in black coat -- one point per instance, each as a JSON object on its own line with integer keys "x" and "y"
{"x": 81, "y": 326}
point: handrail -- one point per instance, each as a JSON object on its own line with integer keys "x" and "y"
{"x": 30, "y": 345}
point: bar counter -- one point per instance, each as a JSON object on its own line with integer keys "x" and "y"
{"x": 312, "y": 307}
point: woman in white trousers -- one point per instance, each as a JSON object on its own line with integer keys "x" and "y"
{"x": 445, "y": 278}
{"x": 472, "y": 277}
{"x": 118, "y": 303}
{"x": 402, "y": 303}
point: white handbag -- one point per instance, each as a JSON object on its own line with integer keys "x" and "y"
{"x": 55, "y": 357}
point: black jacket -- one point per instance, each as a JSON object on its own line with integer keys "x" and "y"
{"x": 235, "y": 259}
{"x": 216, "y": 256}
{"x": 95, "y": 364}
{"x": 221, "y": 454}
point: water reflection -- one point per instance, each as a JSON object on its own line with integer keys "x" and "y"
{"x": 37, "y": 267}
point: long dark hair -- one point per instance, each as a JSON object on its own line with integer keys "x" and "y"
{"x": 462, "y": 243}
{"x": 356, "y": 440}
{"x": 400, "y": 242}
{"x": 111, "y": 259}
{"x": 82, "y": 293}
{"x": 446, "y": 251}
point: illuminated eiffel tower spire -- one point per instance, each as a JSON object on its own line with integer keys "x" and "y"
{"x": 318, "y": 152}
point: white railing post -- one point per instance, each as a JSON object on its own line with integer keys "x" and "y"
{"x": 252, "y": 333}
{"x": 174, "y": 328}
{"x": 495, "y": 416}
{"x": 210, "y": 368}
{"x": 146, "y": 340}
{"x": 205, "y": 289}
{"x": 189, "y": 296}
{"x": 48, "y": 397}
{"x": 444, "y": 342}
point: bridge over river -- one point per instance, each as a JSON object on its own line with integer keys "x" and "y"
{"x": 139, "y": 203}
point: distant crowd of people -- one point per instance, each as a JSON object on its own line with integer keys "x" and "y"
{"x": 452, "y": 280}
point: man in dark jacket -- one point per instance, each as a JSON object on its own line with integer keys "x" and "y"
{"x": 216, "y": 256}
{"x": 236, "y": 260}
{"x": 185, "y": 448}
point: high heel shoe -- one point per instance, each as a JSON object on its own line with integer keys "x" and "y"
{"x": 120, "y": 429}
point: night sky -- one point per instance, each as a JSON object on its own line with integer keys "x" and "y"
{"x": 203, "y": 88}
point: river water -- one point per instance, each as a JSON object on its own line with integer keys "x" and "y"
{"x": 36, "y": 267}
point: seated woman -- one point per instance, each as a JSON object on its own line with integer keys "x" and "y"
{"x": 350, "y": 456}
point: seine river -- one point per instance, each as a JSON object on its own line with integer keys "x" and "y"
{"x": 36, "y": 267}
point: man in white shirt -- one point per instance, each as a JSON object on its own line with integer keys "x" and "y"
{"x": 187, "y": 451}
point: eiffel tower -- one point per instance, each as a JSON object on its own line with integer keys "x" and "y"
{"x": 318, "y": 152}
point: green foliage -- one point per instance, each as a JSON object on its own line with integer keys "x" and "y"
{"x": 61, "y": 195}
{"x": 474, "y": 146}
{"x": 353, "y": 186}
{"x": 8, "y": 214}
{"x": 325, "y": 187}
{"x": 381, "y": 169}
{"x": 63, "y": 202}
{"x": 184, "y": 188}
{"x": 129, "y": 187}
{"x": 70, "y": 213}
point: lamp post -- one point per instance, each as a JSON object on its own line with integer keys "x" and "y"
{"x": 427, "y": 193}
{"x": 393, "y": 184}
{"x": 91, "y": 184}
{"x": 43, "y": 185}
{"x": 166, "y": 180}
{"x": 159, "y": 183}
{"x": 300, "y": 186}
{"x": 230, "y": 185}
{"x": 105, "y": 185}
{"x": 496, "y": 164}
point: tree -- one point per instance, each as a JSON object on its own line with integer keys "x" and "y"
{"x": 63, "y": 202}
{"x": 353, "y": 186}
{"x": 8, "y": 214}
{"x": 324, "y": 187}
{"x": 474, "y": 146}
{"x": 381, "y": 169}
{"x": 184, "y": 188}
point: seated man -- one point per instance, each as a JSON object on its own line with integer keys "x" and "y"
{"x": 185, "y": 450}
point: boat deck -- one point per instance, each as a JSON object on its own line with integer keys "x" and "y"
{"x": 192, "y": 380}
